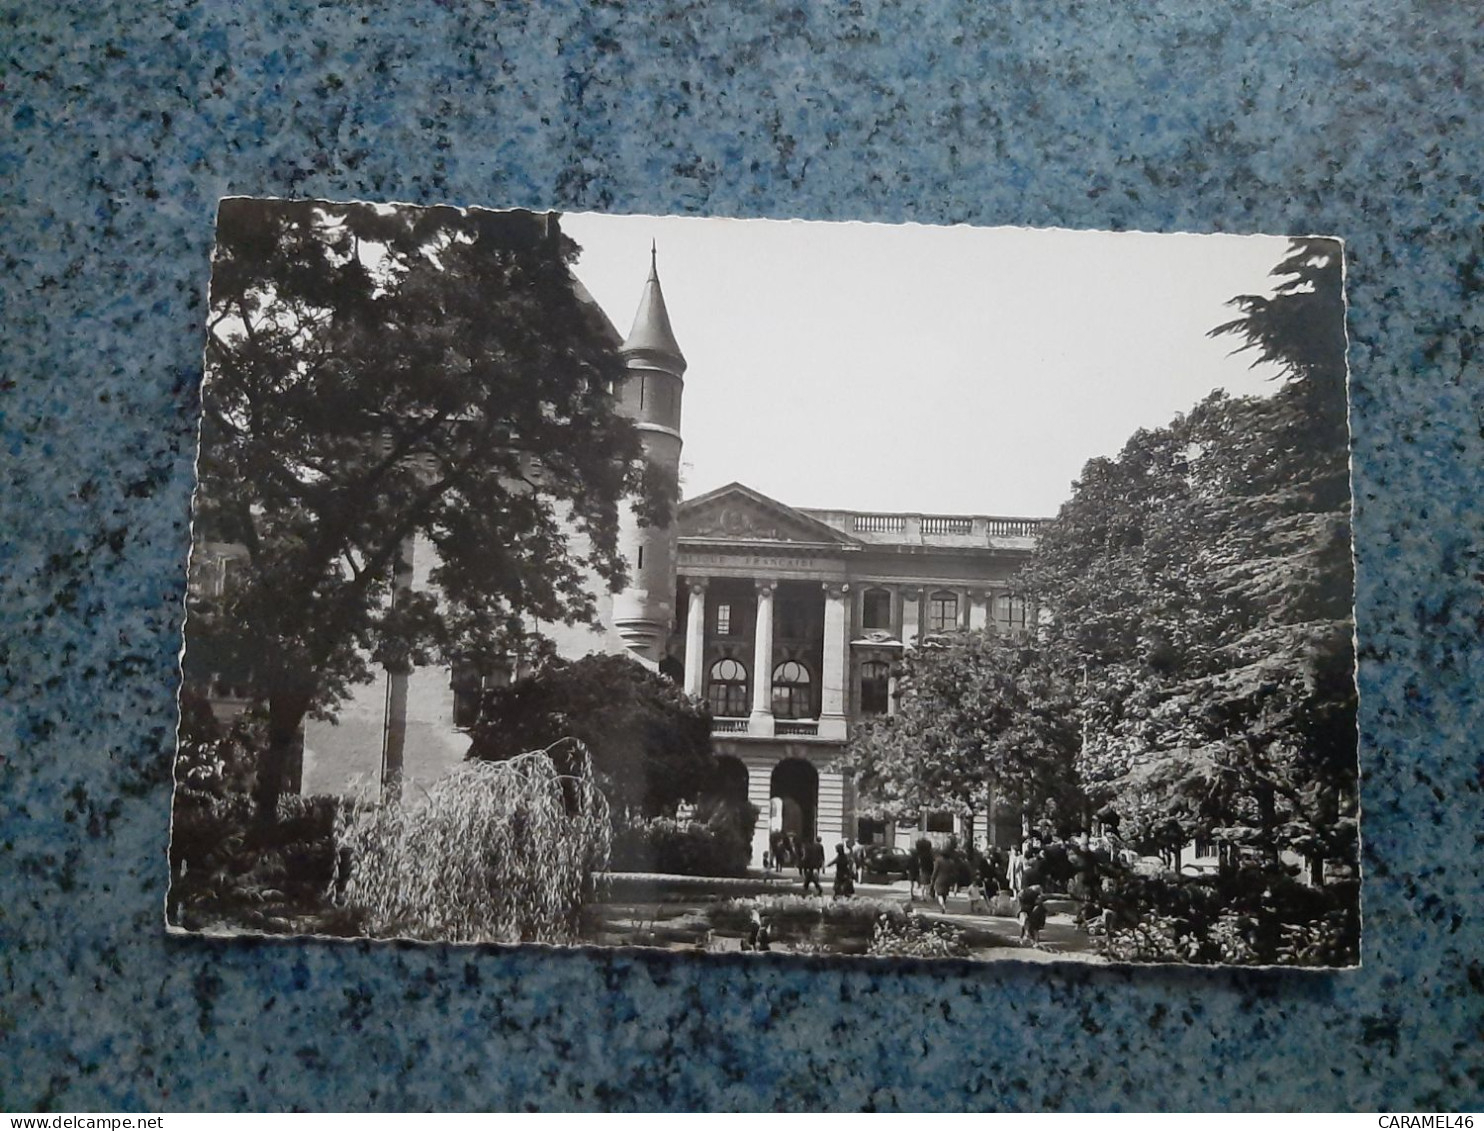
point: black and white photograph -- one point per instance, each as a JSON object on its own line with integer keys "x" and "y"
{"x": 778, "y": 588}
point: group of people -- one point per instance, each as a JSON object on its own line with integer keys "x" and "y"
{"x": 941, "y": 870}
{"x": 1026, "y": 872}
{"x": 808, "y": 856}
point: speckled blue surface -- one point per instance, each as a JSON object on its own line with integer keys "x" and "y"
{"x": 122, "y": 125}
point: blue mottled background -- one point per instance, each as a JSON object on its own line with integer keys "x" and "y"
{"x": 122, "y": 125}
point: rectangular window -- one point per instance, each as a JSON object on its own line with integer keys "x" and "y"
{"x": 868, "y": 831}
{"x": 1010, "y": 612}
{"x": 942, "y": 612}
{"x": 470, "y": 683}
{"x": 876, "y": 610}
{"x": 468, "y": 691}
{"x": 875, "y": 687}
{"x": 723, "y": 620}
{"x": 939, "y": 822}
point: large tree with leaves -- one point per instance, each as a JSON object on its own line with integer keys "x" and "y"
{"x": 1203, "y": 580}
{"x": 650, "y": 742}
{"x": 980, "y": 716}
{"x": 379, "y": 375}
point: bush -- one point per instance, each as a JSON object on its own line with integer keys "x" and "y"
{"x": 681, "y": 848}
{"x": 1252, "y": 916}
{"x": 912, "y": 936}
{"x": 497, "y": 852}
{"x": 719, "y": 846}
{"x": 1156, "y": 938}
{"x": 735, "y": 911}
{"x": 229, "y": 868}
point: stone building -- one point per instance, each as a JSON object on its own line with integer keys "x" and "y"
{"x": 793, "y": 621}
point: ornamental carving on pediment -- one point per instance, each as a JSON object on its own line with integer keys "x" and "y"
{"x": 735, "y": 522}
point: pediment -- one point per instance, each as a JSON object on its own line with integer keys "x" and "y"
{"x": 739, "y": 514}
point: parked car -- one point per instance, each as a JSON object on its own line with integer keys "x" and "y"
{"x": 884, "y": 860}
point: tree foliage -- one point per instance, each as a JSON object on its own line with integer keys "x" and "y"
{"x": 377, "y": 376}
{"x": 979, "y": 715}
{"x": 494, "y": 853}
{"x": 1203, "y": 579}
{"x": 650, "y": 742}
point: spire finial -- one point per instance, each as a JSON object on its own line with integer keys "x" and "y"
{"x": 651, "y": 333}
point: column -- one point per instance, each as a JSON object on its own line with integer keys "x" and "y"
{"x": 829, "y": 811}
{"x": 759, "y": 793}
{"x": 761, "y": 720}
{"x": 978, "y": 610}
{"x": 695, "y": 640}
{"x": 836, "y": 644}
{"x": 911, "y": 615}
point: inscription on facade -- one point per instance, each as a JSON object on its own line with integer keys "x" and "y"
{"x": 759, "y": 561}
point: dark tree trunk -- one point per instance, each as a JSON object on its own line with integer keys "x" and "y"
{"x": 1268, "y": 818}
{"x": 395, "y": 738}
{"x": 281, "y": 765}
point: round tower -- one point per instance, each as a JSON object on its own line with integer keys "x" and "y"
{"x": 644, "y": 611}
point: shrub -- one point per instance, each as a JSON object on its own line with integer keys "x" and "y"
{"x": 228, "y": 867}
{"x": 682, "y": 848}
{"x": 1156, "y": 938}
{"x": 721, "y": 846}
{"x": 806, "y": 906}
{"x": 1252, "y": 916}
{"x": 912, "y": 936}
{"x": 497, "y": 852}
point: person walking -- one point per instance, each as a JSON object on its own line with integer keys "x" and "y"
{"x": 759, "y": 934}
{"x": 943, "y": 878}
{"x": 844, "y": 872}
{"x": 922, "y": 864}
{"x": 813, "y": 864}
{"x": 1032, "y": 915}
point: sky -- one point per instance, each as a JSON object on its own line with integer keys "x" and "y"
{"x": 943, "y": 370}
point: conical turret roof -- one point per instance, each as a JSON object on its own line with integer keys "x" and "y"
{"x": 651, "y": 336}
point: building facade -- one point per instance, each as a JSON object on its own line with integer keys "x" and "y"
{"x": 794, "y": 622}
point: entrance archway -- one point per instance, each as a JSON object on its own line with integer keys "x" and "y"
{"x": 729, "y": 782}
{"x": 795, "y": 799}
{"x": 727, "y": 787}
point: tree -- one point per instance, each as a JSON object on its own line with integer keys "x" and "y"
{"x": 376, "y": 376}
{"x": 979, "y": 715}
{"x": 650, "y": 742}
{"x": 497, "y": 853}
{"x": 1203, "y": 581}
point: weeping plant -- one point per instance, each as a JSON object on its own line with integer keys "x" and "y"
{"x": 494, "y": 852}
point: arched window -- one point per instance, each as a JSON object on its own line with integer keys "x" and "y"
{"x": 1009, "y": 612}
{"x": 876, "y": 610}
{"x": 942, "y": 612}
{"x": 875, "y": 687}
{"x": 727, "y": 689}
{"x": 791, "y": 691}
